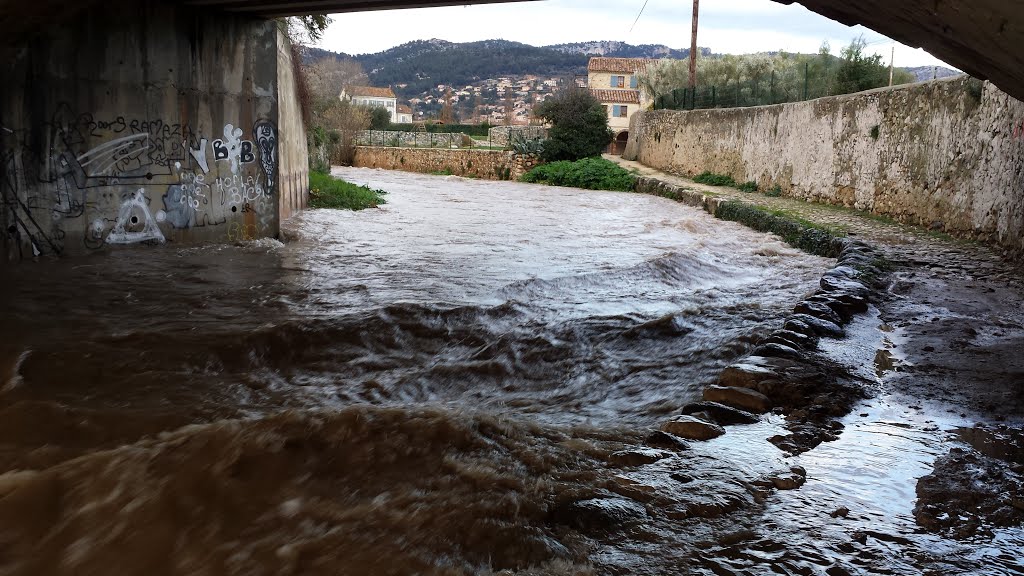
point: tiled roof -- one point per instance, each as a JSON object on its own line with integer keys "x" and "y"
{"x": 617, "y": 96}
{"x": 624, "y": 65}
{"x": 369, "y": 92}
{"x": 403, "y": 109}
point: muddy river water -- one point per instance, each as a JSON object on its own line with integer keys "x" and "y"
{"x": 424, "y": 387}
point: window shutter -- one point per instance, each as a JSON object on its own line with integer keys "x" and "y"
{"x": 614, "y": 81}
{"x": 615, "y": 111}
{"x": 632, "y": 82}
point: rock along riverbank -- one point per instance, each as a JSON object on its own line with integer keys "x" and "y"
{"x": 951, "y": 311}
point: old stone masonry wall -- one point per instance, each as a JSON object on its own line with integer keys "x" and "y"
{"x": 947, "y": 154}
{"x": 140, "y": 123}
{"x": 483, "y": 164}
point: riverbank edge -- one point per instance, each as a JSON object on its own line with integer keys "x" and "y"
{"x": 784, "y": 373}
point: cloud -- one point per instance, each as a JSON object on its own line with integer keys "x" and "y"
{"x": 726, "y": 26}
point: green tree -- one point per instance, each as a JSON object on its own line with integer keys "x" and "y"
{"x": 579, "y": 125}
{"x": 859, "y": 71}
{"x": 380, "y": 119}
{"x": 315, "y": 25}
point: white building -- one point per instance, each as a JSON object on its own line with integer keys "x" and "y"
{"x": 404, "y": 114}
{"x": 373, "y": 97}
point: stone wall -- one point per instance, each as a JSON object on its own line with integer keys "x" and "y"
{"x": 499, "y": 135}
{"x": 485, "y": 164}
{"x": 948, "y": 154}
{"x": 144, "y": 123}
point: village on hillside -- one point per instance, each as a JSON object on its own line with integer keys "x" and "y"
{"x": 510, "y": 100}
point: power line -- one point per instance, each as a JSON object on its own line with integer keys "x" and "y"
{"x": 638, "y": 17}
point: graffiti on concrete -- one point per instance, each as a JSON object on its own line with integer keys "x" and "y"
{"x": 266, "y": 137}
{"x": 135, "y": 223}
{"x": 84, "y": 178}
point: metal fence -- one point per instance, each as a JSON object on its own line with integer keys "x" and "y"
{"x": 771, "y": 89}
{"x": 395, "y": 139}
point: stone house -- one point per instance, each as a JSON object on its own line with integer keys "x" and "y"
{"x": 615, "y": 82}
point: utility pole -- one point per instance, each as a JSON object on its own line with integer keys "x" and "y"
{"x": 693, "y": 47}
{"x": 892, "y": 59}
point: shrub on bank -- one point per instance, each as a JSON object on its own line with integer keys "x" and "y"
{"x": 712, "y": 179}
{"x": 590, "y": 173}
{"x": 325, "y": 191}
{"x": 796, "y": 232}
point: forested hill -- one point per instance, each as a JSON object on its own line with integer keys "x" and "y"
{"x": 424, "y": 64}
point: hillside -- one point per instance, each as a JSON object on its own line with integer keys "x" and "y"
{"x": 415, "y": 67}
{"x": 924, "y": 73}
{"x": 424, "y": 64}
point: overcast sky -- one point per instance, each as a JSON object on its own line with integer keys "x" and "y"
{"x": 726, "y": 26}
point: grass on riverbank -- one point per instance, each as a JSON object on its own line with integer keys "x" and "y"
{"x": 795, "y": 231}
{"x": 325, "y": 191}
{"x": 589, "y": 173}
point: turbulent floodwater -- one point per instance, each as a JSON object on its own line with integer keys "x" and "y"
{"x": 411, "y": 390}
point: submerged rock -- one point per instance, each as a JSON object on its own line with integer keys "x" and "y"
{"x": 841, "y": 512}
{"x": 711, "y": 500}
{"x": 659, "y": 439}
{"x": 818, "y": 310}
{"x": 769, "y": 376}
{"x": 638, "y": 456}
{"x": 777, "y": 350}
{"x": 742, "y": 398}
{"x": 844, "y": 311}
{"x": 599, "y": 514}
{"x": 787, "y": 481}
{"x": 752, "y": 370}
{"x": 692, "y": 428}
{"x": 817, "y": 326}
{"x": 855, "y": 303}
{"x": 720, "y": 413}
{"x": 793, "y": 339}
{"x": 837, "y": 283}
{"x": 845, "y": 271}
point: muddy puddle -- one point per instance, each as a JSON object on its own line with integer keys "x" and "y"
{"x": 433, "y": 388}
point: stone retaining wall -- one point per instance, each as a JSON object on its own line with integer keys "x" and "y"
{"x": 485, "y": 164}
{"x": 947, "y": 154}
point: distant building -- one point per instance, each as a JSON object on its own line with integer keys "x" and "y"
{"x": 372, "y": 97}
{"x": 615, "y": 82}
{"x": 404, "y": 114}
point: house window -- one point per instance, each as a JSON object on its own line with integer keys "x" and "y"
{"x": 623, "y": 111}
{"x": 618, "y": 81}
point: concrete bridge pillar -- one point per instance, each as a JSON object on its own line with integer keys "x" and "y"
{"x": 145, "y": 123}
